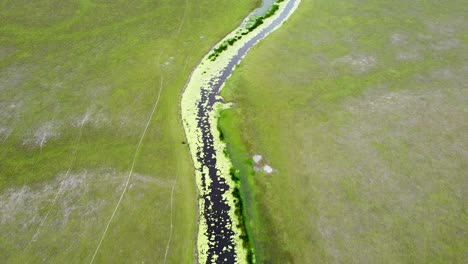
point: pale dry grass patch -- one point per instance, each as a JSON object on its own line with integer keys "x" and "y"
{"x": 359, "y": 63}
{"x": 72, "y": 203}
{"x": 407, "y": 145}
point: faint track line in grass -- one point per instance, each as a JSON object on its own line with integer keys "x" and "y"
{"x": 57, "y": 194}
{"x": 40, "y": 149}
{"x": 130, "y": 173}
{"x": 186, "y": 63}
{"x": 181, "y": 25}
{"x": 132, "y": 106}
{"x": 59, "y": 191}
{"x": 175, "y": 182}
{"x": 6, "y": 136}
{"x": 172, "y": 225}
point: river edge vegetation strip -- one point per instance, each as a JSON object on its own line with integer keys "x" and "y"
{"x": 202, "y": 78}
{"x": 253, "y": 23}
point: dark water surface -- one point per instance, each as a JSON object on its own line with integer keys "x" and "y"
{"x": 216, "y": 211}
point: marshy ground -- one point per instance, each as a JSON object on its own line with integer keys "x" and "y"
{"x": 361, "y": 109}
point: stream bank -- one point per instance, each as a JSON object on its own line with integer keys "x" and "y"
{"x": 222, "y": 233}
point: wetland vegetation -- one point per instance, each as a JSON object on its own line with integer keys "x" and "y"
{"x": 222, "y": 235}
{"x": 361, "y": 108}
{"x": 253, "y": 23}
{"x": 89, "y": 94}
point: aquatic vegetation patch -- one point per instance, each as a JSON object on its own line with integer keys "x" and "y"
{"x": 215, "y": 178}
{"x": 251, "y": 25}
{"x": 240, "y": 174}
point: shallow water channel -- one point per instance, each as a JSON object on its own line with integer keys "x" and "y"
{"x": 213, "y": 183}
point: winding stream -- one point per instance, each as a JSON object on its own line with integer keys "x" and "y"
{"x": 219, "y": 234}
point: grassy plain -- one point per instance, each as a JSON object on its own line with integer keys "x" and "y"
{"x": 360, "y": 107}
{"x": 78, "y": 83}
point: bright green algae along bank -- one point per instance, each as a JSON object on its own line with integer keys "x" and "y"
{"x": 201, "y": 80}
{"x": 360, "y": 108}
{"x": 78, "y": 82}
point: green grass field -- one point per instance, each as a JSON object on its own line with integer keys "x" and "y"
{"x": 78, "y": 83}
{"x": 360, "y": 107}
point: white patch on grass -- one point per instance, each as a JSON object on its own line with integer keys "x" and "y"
{"x": 443, "y": 74}
{"x": 446, "y": 44}
{"x": 360, "y": 63}
{"x": 42, "y": 135}
{"x": 398, "y": 39}
{"x": 4, "y": 134}
{"x": 85, "y": 119}
{"x": 261, "y": 166}
{"x": 28, "y": 213}
{"x": 267, "y": 169}
{"x": 409, "y": 55}
{"x": 13, "y": 76}
{"x": 406, "y": 48}
{"x": 14, "y": 199}
{"x": 92, "y": 117}
{"x": 257, "y": 158}
{"x": 143, "y": 180}
{"x": 442, "y": 29}
{"x": 9, "y": 111}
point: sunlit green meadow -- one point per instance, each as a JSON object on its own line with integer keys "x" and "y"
{"x": 360, "y": 108}
{"x": 79, "y": 81}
